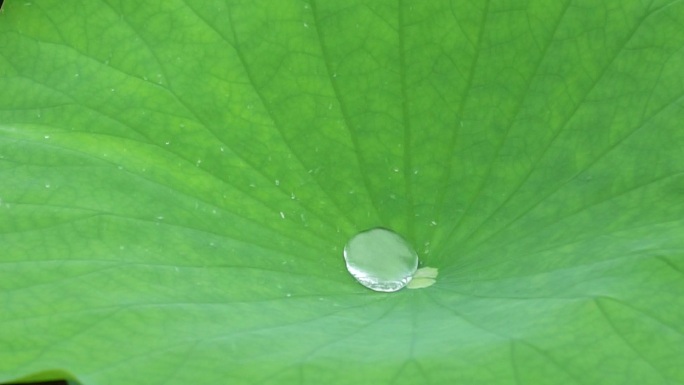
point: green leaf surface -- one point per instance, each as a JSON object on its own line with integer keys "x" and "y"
{"x": 178, "y": 180}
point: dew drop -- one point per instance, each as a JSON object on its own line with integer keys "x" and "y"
{"x": 380, "y": 259}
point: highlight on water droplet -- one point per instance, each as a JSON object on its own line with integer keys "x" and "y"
{"x": 380, "y": 259}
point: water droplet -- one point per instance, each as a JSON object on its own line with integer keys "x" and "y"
{"x": 282, "y": 215}
{"x": 380, "y": 259}
{"x": 277, "y": 182}
{"x": 47, "y": 136}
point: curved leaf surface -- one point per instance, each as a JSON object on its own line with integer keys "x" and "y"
{"x": 178, "y": 180}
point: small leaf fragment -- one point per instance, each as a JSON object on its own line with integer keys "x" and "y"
{"x": 420, "y": 283}
{"x": 423, "y": 277}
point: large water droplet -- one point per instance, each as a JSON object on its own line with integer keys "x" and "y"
{"x": 380, "y": 259}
